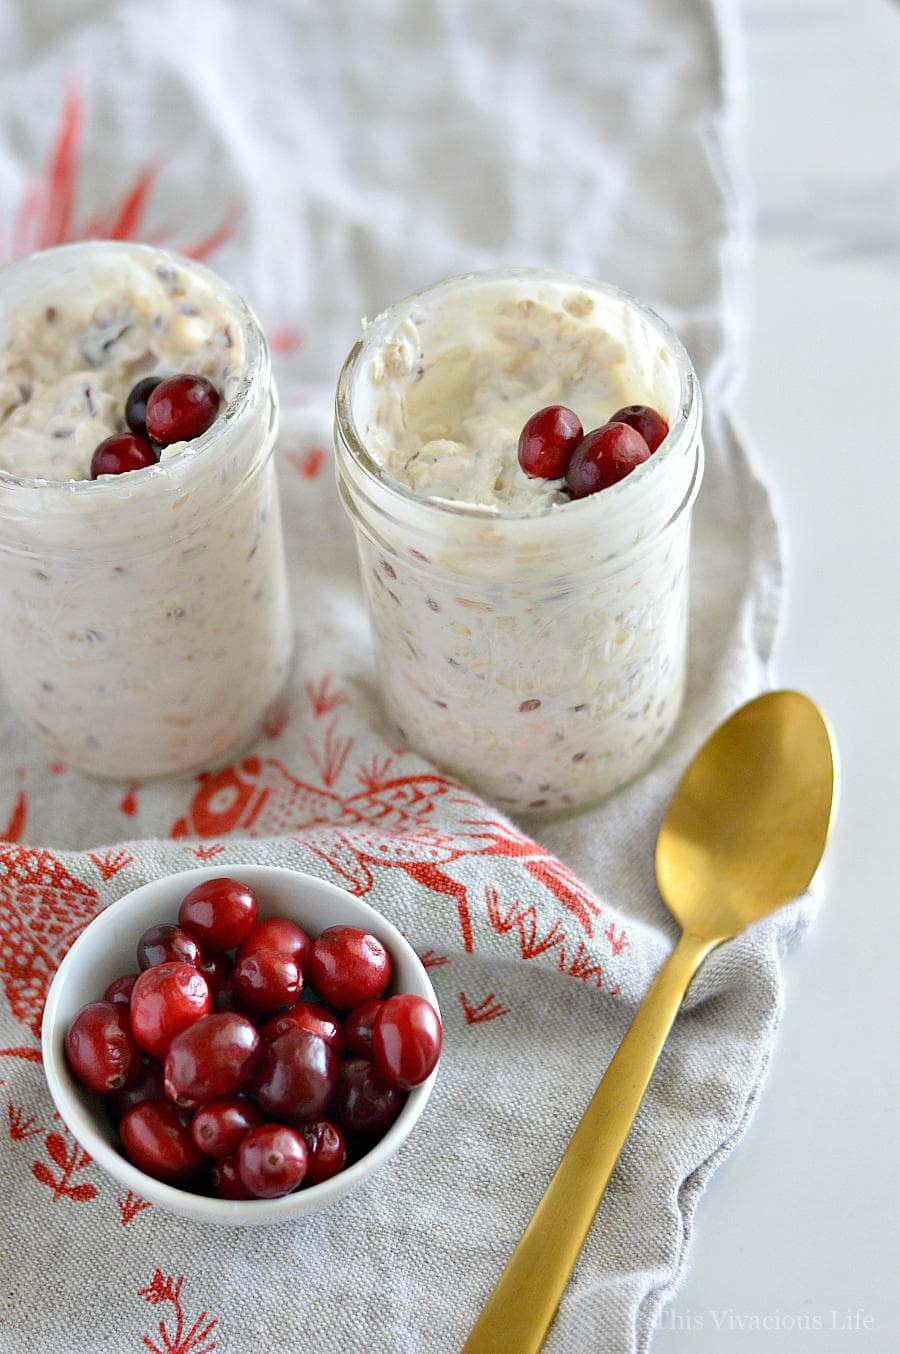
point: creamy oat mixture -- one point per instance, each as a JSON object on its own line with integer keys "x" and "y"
{"x": 144, "y": 619}
{"x": 533, "y": 646}
{"x": 66, "y": 368}
{"x": 454, "y": 390}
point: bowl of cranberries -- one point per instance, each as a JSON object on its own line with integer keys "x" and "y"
{"x": 241, "y": 1048}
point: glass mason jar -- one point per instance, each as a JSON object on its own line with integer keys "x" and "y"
{"x": 144, "y": 618}
{"x": 539, "y": 657}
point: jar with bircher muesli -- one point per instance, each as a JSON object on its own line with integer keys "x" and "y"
{"x": 519, "y": 451}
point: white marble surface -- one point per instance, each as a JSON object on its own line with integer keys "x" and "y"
{"x": 799, "y": 1227}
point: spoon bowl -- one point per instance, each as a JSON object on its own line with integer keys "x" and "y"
{"x": 748, "y": 823}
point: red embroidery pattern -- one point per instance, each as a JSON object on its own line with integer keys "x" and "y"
{"x": 384, "y": 826}
{"x": 111, "y": 862}
{"x": 31, "y": 1055}
{"x": 284, "y": 339}
{"x": 16, "y": 825}
{"x": 431, "y": 960}
{"x": 489, "y": 1009}
{"x": 580, "y": 966}
{"x": 180, "y": 1341}
{"x": 46, "y": 213}
{"x": 21, "y": 1127}
{"x": 277, "y": 718}
{"x": 617, "y": 938}
{"x": 322, "y": 698}
{"x": 309, "y": 463}
{"x": 42, "y": 910}
{"x": 70, "y": 1158}
{"x": 208, "y": 852}
{"x": 331, "y": 755}
{"x": 524, "y": 920}
{"x": 129, "y": 804}
{"x": 129, "y": 1207}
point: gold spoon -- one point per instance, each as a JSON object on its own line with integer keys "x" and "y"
{"x": 744, "y": 834}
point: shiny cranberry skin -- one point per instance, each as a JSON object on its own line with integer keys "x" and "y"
{"x": 547, "y": 441}
{"x": 307, "y": 1015}
{"x": 605, "y": 456}
{"x": 166, "y": 1000}
{"x": 136, "y": 404}
{"x": 406, "y": 1040}
{"x": 327, "y": 1149}
{"x": 220, "y": 1126}
{"x": 276, "y": 933}
{"x": 158, "y": 1141}
{"x": 120, "y": 989}
{"x": 211, "y": 1058}
{"x": 167, "y": 944}
{"x": 146, "y": 1083}
{"x": 652, "y": 426}
{"x": 219, "y": 913}
{"x": 121, "y": 453}
{"x": 295, "y": 1077}
{"x": 216, "y": 969}
{"x": 100, "y": 1047}
{"x": 225, "y": 1181}
{"x": 347, "y": 966}
{"x": 181, "y": 408}
{"x": 358, "y": 1027}
{"x": 272, "y": 1160}
{"x": 266, "y": 981}
{"x": 363, "y": 1102}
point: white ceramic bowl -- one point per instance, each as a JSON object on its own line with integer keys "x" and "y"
{"x": 106, "y": 948}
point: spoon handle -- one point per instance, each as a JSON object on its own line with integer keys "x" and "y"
{"x": 517, "y": 1315}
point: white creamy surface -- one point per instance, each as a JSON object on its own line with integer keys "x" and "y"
{"x": 68, "y": 363}
{"x": 452, "y": 387}
{"x": 531, "y": 645}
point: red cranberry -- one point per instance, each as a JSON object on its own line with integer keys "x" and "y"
{"x": 362, "y": 1101}
{"x": 166, "y": 1000}
{"x": 276, "y": 933}
{"x": 220, "y": 1126}
{"x": 216, "y": 969}
{"x": 295, "y": 1076}
{"x": 121, "y": 453}
{"x": 347, "y": 966}
{"x": 605, "y": 456}
{"x": 225, "y": 1181}
{"x": 358, "y": 1027}
{"x": 120, "y": 989}
{"x": 181, "y": 408}
{"x": 272, "y": 1160}
{"x": 308, "y": 1015}
{"x": 327, "y": 1149}
{"x": 406, "y": 1040}
{"x": 100, "y": 1047}
{"x": 547, "y": 441}
{"x": 136, "y": 404}
{"x": 158, "y": 1141}
{"x": 219, "y": 913}
{"x": 652, "y": 426}
{"x": 167, "y": 944}
{"x": 266, "y": 981}
{"x": 146, "y": 1083}
{"x": 210, "y": 1059}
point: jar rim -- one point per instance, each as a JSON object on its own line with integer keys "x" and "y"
{"x": 200, "y": 448}
{"x": 683, "y": 427}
